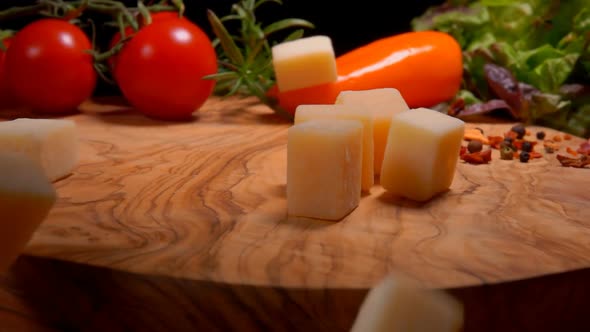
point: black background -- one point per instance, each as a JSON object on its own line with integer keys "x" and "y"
{"x": 349, "y": 24}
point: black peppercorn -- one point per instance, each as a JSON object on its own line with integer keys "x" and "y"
{"x": 524, "y": 157}
{"x": 519, "y": 130}
{"x": 541, "y": 135}
{"x": 527, "y": 146}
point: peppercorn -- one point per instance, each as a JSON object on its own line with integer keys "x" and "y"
{"x": 474, "y": 146}
{"x": 524, "y": 157}
{"x": 519, "y": 130}
{"x": 527, "y": 146}
{"x": 540, "y": 135}
{"x": 506, "y": 153}
{"x": 508, "y": 142}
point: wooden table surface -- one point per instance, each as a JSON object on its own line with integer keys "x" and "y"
{"x": 185, "y": 224}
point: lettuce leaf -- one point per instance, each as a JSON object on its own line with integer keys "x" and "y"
{"x": 545, "y": 44}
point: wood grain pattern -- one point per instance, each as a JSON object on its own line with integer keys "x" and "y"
{"x": 206, "y": 201}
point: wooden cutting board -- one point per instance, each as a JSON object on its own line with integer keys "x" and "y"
{"x": 206, "y": 200}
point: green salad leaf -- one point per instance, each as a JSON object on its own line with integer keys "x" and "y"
{"x": 543, "y": 44}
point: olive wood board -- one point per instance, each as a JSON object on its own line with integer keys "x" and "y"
{"x": 206, "y": 200}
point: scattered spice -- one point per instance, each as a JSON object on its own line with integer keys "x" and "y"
{"x": 519, "y": 144}
{"x": 580, "y": 162}
{"x": 509, "y": 142}
{"x": 571, "y": 151}
{"x": 480, "y": 157}
{"x": 513, "y": 145}
{"x": 526, "y": 146}
{"x": 475, "y": 135}
{"x": 506, "y": 145}
{"x": 495, "y": 141}
{"x": 506, "y": 153}
{"x": 519, "y": 130}
{"x": 511, "y": 134}
{"x": 474, "y": 146}
{"x": 550, "y": 146}
{"x": 462, "y": 151}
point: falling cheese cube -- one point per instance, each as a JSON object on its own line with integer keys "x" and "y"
{"x": 305, "y": 113}
{"x": 304, "y": 62}
{"x": 383, "y": 103}
{"x": 26, "y": 197}
{"x": 421, "y": 154}
{"x": 396, "y": 304}
{"x": 53, "y": 143}
{"x": 324, "y": 168}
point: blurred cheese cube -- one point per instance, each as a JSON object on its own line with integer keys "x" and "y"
{"x": 324, "y": 168}
{"x": 304, "y": 62}
{"x": 26, "y": 196}
{"x": 383, "y": 103}
{"x": 53, "y": 143}
{"x": 397, "y": 304}
{"x": 346, "y": 112}
{"x": 421, "y": 154}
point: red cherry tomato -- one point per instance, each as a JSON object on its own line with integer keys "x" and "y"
{"x": 129, "y": 32}
{"x": 48, "y": 68}
{"x": 160, "y": 70}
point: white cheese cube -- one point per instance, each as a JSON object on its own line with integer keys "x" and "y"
{"x": 382, "y": 103}
{"x": 346, "y": 112}
{"x": 304, "y": 62}
{"x": 324, "y": 168}
{"x": 26, "y": 197}
{"x": 421, "y": 154}
{"x": 53, "y": 143}
{"x": 400, "y": 305}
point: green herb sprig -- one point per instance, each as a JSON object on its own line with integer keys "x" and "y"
{"x": 245, "y": 56}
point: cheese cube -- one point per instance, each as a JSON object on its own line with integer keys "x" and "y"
{"x": 305, "y": 113}
{"x": 421, "y": 154}
{"x": 400, "y": 305}
{"x": 324, "y": 168}
{"x": 53, "y": 143}
{"x": 383, "y": 103}
{"x": 26, "y": 196}
{"x": 304, "y": 62}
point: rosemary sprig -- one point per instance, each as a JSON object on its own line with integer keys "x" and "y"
{"x": 245, "y": 57}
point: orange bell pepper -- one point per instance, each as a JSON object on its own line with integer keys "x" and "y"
{"x": 425, "y": 66}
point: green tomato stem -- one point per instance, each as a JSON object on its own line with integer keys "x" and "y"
{"x": 15, "y": 12}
